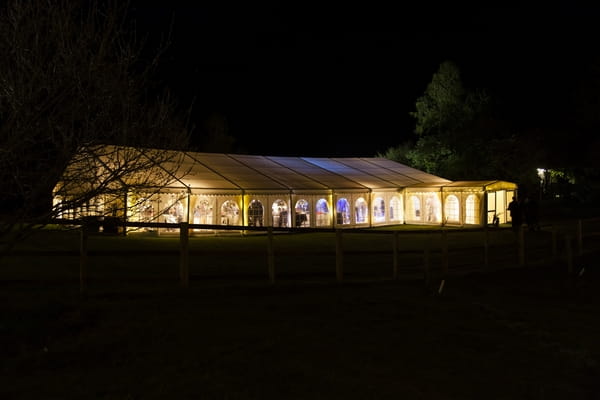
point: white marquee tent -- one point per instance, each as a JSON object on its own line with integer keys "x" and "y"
{"x": 252, "y": 190}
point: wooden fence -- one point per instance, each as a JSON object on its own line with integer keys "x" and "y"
{"x": 555, "y": 244}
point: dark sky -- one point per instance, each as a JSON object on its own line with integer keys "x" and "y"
{"x": 309, "y": 80}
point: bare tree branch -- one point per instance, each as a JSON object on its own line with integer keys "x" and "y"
{"x": 72, "y": 79}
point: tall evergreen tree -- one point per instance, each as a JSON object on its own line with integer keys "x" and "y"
{"x": 444, "y": 116}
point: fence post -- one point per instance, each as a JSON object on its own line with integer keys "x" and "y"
{"x": 521, "y": 246}
{"x": 569, "y": 254}
{"x": 184, "y": 259}
{"x": 444, "y": 252}
{"x": 579, "y": 237}
{"x": 83, "y": 245}
{"x": 486, "y": 246}
{"x": 396, "y": 255}
{"x": 339, "y": 256}
{"x": 270, "y": 255}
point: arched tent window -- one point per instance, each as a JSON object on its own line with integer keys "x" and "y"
{"x": 396, "y": 212}
{"x": 432, "y": 208}
{"x": 362, "y": 211}
{"x": 230, "y": 213}
{"x": 472, "y": 209}
{"x": 342, "y": 212}
{"x": 379, "y": 210}
{"x": 322, "y": 210}
{"x": 416, "y": 208}
{"x": 280, "y": 213}
{"x": 255, "y": 213}
{"x": 302, "y": 209}
{"x": 452, "y": 209}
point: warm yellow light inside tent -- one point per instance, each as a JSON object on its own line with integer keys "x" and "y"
{"x": 251, "y": 190}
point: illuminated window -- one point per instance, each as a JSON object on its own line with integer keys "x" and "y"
{"x": 379, "y": 210}
{"x": 416, "y": 207}
{"x": 171, "y": 210}
{"x": 230, "y": 213}
{"x": 143, "y": 208}
{"x": 361, "y": 210}
{"x": 472, "y": 209}
{"x": 302, "y": 213}
{"x": 280, "y": 214}
{"x": 175, "y": 211}
{"x": 451, "y": 209}
{"x": 322, "y": 209}
{"x": 432, "y": 208}
{"x": 396, "y": 209}
{"x": 342, "y": 212}
{"x": 202, "y": 212}
{"x": 255, "y": 213}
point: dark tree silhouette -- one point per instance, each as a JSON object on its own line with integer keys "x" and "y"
{"x": 460, "y": 135}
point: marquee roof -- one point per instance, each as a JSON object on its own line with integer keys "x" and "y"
{"x": 252, "y": 172}
{"x": 220, "y": 172}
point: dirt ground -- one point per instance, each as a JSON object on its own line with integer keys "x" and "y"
{"x": 521, "y": 333}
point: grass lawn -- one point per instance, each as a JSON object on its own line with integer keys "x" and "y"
{"x": 503, "y": 333}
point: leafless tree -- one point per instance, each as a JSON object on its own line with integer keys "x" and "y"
{"x": 73, "y": 79}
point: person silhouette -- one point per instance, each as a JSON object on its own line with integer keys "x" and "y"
{"x": 516, "y": 214}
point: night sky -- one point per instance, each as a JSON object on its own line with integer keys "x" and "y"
{"x": 309, "y": 80}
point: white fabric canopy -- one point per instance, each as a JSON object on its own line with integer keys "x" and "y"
{"x": 251, "y": 172}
